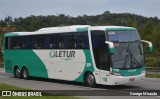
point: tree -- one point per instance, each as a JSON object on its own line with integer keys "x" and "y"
{"x": 132, "y": 23}
{"x": 147, "y": 31}
{"x": 8, "y": 20}
{"x": 156, "y": 36}
{"x": 2, "y": 23}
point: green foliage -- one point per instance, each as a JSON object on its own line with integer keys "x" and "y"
{"x": 151, "y": 61}
{"x": 9, "y": 87}
{"x": 33, "y": 23}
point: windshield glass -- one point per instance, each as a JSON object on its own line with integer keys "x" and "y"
{"x": 128, "y": 55}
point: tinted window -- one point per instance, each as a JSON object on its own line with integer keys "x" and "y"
{"x": 37, "y": 42}
{"x": 100, "y": 50}
{"x": 61, "y": 41}
{"x": 72, "y": 41}
{"x": 51, "y": 41}
{"x": 123, "y": 35}
{"x": 16, "y": 43}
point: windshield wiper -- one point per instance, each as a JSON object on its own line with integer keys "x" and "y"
{"x": 132, "y": 59}
{"x": 135, "y": 61}
{"x": 126, "y": 57}
{"x": 125, "y": 61}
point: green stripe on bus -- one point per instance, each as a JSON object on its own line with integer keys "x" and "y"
{"x": 82, "y": 29}
{"x": 130, "y": 72}
{"x": 88, "y": 66}
{"x": 10, "y": 34}
{"x": 25, "y": 58}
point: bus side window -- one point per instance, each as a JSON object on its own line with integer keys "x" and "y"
{"x": 38, "y": 42}
{"x": 80, "y": 42}
{"x": 26, "y": 42}
{"x": 61, "y": 43}
{"x": 52, "y": 42}
{"x": 86, "y": 42}
{"x": 16, "y": 42}
{"x": 7, "y": 46}
{"x": 72, "y": 41}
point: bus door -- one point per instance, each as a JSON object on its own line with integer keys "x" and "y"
{"x": 101, "y": 55}
{"x": 104, "y": 64}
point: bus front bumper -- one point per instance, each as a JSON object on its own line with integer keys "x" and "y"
{"x": 119, "y": 80}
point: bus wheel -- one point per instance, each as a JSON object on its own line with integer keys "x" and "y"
{"x": 90, "y": 80}
{"x": 25, "y": 73}
{"x": 17, "y": 72}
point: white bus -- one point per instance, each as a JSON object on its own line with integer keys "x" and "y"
{"x": 107, "y": 55}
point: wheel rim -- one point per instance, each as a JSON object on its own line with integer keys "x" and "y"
{"x": 25, "y": 73}
{"x": 90, "y": 80}
{"x": 17, "y": 72}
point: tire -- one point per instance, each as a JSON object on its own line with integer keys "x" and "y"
{"x": 17, "y": 72}
{"x": 25, "y": 73}
{"x": 90, "y": 80}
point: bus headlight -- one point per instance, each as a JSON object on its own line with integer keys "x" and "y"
{"x": 143, "y": 71}
{"x": 116, "y": 73}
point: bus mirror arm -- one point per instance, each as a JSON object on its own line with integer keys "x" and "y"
{"x": 149, "y": 44}
{"x": 111, "y": 47}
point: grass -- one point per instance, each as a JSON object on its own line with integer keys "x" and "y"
{"x": 9, "y": 87}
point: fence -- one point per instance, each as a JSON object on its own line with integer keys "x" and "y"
{"x": 153, "y": 70}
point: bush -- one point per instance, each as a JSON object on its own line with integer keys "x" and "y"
{"x": 151, "y": 61}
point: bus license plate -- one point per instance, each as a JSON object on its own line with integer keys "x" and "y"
{"x": 131, "y": 79}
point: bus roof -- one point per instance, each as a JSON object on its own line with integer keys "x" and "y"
{"x": 73, "y": 28}
{"x": 64, "y": 28}
{"x": 49, "y": 30}
{"x": 109, "y": 28}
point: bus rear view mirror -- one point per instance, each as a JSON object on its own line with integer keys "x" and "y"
{"x": 111, "y": 47}
{"x": 149, "y": 44}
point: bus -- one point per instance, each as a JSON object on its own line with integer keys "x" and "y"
{"x": 107, "y": 55}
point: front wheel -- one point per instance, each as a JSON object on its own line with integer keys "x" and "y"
{"x": 90, "y": 80}
{"x": 25, "y": 73}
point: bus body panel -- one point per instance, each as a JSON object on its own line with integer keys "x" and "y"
{"x": 67, "y": 64}
{"x": 57, "y": 64}
{"x": 26, "y": 58}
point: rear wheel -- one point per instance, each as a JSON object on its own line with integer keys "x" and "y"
{"x": 25, "y": 73}
{"x": 90, "y": 80}
{"x": 17, "y": 72}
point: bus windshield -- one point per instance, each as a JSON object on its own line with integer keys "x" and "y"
{"x": 128, "y": 49}
{"x": 128, "y": 55}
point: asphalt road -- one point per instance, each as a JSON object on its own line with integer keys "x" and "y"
{"x": 100, "y": 92}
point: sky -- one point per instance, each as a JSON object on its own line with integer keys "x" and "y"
{"x": 24, "y": 8}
